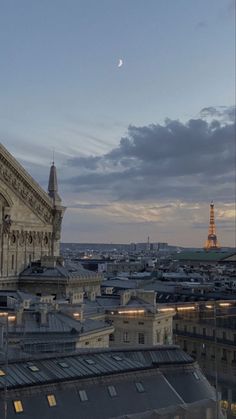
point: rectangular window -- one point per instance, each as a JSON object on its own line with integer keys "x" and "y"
{"x": 112, "y": 391}
{"x": 83, "y": 395}
{"x": 90, "y": 361}
{"x": 51, "y": 400}
{"x": 33, "y": 368}
{"x": 111, "y": 337}
{"x": 196, "y": 375}
{"x": 125, "y": 321}
{"x": 18, "y": 406}
{"x": 63, "y": 364}
{"x": 140, "y": 323}
{"x": 126, "y": 337}
{"x": 204, "y": 331}
{"x": 139, "y": 387}
{"x": 116, "y": 358}
{"x": 141, "y": 338}
{"x": 12, "y": 262}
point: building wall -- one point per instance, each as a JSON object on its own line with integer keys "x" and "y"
{"x": 29, "y": 222}
{"x": 211, "y": 352}
{"x": 143, "y": 329}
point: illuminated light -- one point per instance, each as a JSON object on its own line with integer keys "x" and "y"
{"x": 131, "y": 312}
{"x": 233, "y": 409}
{"x": 186, "y": 308}
{"x": 209, "y": 306}
{"x": 2, "y": 373}
{"x": 224, "y": 304}
{"x": 3, "y": 314}
{"x": 51, "y": 400}
{"x": 11, "y": 318}
{"x": 76, "y": 314}
{"x": 112, "y": 312}
{"x": 18, "y": 406}
{"x": 167, "y": 309}
{"x": 224, "y": 404}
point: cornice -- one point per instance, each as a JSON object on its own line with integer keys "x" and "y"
{"x": 24, "y": 186}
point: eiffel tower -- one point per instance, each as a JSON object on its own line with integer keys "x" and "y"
{"x": 212, "y": 242}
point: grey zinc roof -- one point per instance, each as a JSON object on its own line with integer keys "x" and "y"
{"x": 57, "y": 323}
{"x": 165, "y": 388}
{"x": 102, "y": 362}
{"x": 68, "y": 271}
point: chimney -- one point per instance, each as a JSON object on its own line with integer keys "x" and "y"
{"x": 148, "y": 296}
{"x": 43, "y": 311}
{"x": 125, "y": 297}
{"x": 92, "y": 296}
{"x": 19, "y": 315}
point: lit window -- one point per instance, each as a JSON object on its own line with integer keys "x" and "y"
{"x": 90, "y": 361}
{"x": 2, "y": 373}
{"x": 112, "y": 391}
{"x": 18, "y": 406}
{"x": 51, "y": 400}
{"x": 83, "y": 395}
{"x": 63, "y": 364}
{"x": 224, "y": 404}
{"x": 33, "y": 368}
{"x": 139, "y": 387}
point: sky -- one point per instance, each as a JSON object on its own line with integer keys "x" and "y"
{"x": 141, "y": 149}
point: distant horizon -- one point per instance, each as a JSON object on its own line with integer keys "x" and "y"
{"x": 168, "y": 244}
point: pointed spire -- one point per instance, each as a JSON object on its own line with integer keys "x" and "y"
{"x": 52, "y": 185}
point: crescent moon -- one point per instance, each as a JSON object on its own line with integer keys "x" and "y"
{"x": 120, "y": 63}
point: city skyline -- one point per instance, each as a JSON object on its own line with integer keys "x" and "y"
{"x": 140, "y": 149}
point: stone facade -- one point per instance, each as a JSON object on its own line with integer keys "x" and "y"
{"x": 30, "y": 220}
{"x": 138, "y": 322}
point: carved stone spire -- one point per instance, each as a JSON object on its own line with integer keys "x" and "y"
{"x": 52, "y": 185}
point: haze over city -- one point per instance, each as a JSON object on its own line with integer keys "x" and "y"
{"x": 142, "y": 148}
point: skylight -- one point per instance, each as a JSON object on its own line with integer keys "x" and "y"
{"x": 51, "y": 400}
{"x": 63, "y": 364}
{"x": 117, "y": 358}
{"x": 90, "y": 361}
{"x": 33, "y": 368}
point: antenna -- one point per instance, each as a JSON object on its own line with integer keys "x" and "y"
{"x": 53, "y": 155}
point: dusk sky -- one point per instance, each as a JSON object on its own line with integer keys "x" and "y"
{"x": 140, "y": 149}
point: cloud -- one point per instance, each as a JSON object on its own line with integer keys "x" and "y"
{"x": 226, "y": 113}
{"x": 191, "y": 161}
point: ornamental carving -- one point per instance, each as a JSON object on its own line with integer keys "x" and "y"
{"x": 22, "y": 238}
{"x": 6, "y": 225}
{"x": 57, "y": 225}
{"x": 25, "y": 191}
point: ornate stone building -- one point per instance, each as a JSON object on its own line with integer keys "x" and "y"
{"x": 30, "y": 219}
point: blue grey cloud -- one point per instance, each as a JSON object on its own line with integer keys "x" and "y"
{"x": 175, "y": 160}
